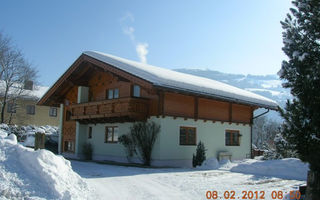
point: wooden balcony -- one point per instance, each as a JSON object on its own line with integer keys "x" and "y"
{"x": 110, "y": 111}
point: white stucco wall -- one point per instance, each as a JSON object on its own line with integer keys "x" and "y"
{"x": 211, "y": 134}
{"x": 167, "y": 151}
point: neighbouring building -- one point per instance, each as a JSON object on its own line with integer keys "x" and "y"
{"x": 24, "y": 110}
{"x": 101, "y": 95}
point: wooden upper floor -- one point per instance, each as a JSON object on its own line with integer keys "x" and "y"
{"x": 114, "y": 95}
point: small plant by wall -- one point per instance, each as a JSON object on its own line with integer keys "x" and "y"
{"x": 140, "y": 140}
{"x": 200, "y": 156}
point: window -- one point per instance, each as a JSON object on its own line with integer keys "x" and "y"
{"x": 53, "y": 112}
{"x": 31, "y": 109}
{"x": 232, "y": 138}
{"x": 111, "y": 135}
{"x": 90, "y": 132}
{"x": 110, "y": 94}
{"x": 69, "y": 146}
{"x": 113, "y": 93}
{"x": 11, "y": 108}
{"x": 116, "y": 93}
{"x": 187, "y": 136}
{"x": 136, "y": 90}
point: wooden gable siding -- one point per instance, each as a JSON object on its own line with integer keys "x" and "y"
{"x": 102, "y": 81}
{"x": 212, "y": 109}
{"x": 241, "y": 113}
{"x": 179, "y": 105}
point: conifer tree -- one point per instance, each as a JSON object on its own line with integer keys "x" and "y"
{"x": 200, "y": 156}
{"x": 301, "y": 73}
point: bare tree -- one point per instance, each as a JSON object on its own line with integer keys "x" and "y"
{"x": 264, "y": 131}
{"x": 14, "y": 72}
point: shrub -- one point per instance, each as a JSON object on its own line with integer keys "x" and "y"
{"x": 200, "y": 155}
{"x": 130, "y": 147}
{"x": 141, "y": 140}
{"x": 87, "y": 151}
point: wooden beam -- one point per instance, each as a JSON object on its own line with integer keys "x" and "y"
{"x": 161, "y": 102}
{"x": 230, "y": 112}
{"x": 196, "y": 103}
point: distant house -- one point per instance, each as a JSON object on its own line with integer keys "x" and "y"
{"x": 101, "y": 95}
{"x": 24, "y": 111}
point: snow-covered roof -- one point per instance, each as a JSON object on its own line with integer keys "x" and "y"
{"x": 184, "y": 82}
{"x": 36, "y": 93}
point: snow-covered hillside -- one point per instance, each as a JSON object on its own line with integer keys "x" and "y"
{"x": 268, "y": 85}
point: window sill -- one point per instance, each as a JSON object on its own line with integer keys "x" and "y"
{"x": 110, "y": 142}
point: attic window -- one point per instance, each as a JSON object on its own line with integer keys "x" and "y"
{"x": 113, "y": 93}
{"x": 28, "y": 85}
{"x": 136, "y": 90}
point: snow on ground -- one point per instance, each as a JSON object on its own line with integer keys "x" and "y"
{"x": 29, "y": 174}
{"x": 26, "y": 133}
{"x": 119, "y": 182}
{"x": 288, "y": 168}
{"x": 25, "y": 173}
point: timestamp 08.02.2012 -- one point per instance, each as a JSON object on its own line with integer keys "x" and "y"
{"x": 248, "y": 194}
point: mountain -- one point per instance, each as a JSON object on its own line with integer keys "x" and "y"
{"x": 266, "y": 85}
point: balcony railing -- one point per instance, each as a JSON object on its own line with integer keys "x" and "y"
{"x": 114, "y": 110}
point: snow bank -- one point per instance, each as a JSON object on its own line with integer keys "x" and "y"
{"x": 3, "y": 134}
{"x": 208, "y": 164}
{"x": 25, "y": 173}
{"x": 288, "y": 168}
{"x": 26, "y": 133}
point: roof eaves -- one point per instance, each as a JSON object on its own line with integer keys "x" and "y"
{"x": 215, "y": 96}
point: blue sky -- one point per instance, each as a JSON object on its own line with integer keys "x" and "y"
{"x": 229, "y": 36}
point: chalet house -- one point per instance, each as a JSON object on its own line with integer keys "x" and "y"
{"x": 101, "y": 95}
{"x": 23, "y": 109}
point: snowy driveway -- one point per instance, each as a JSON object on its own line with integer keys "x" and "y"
{"x": 117, "y": 182}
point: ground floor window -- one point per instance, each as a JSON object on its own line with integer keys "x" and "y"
{"x": 69, "y": 146}
{"x": 232, "y": 138}
{"x": 53, "y": 112}
{"x": 31, "y": 110}
{"x": 111, "y": 135}
{"x": 11, "y": 107}
{"x": 188, "y": 135}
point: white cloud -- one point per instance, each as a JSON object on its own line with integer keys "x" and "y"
{"x": 141, "y": 48}
{"x": 142, "y": 51}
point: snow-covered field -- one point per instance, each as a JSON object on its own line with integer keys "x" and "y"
{"x": 118, "y": 182}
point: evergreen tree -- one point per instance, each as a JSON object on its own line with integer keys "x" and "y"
{"x": 301, "y": 73}
{"x": 200, "y": 156}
